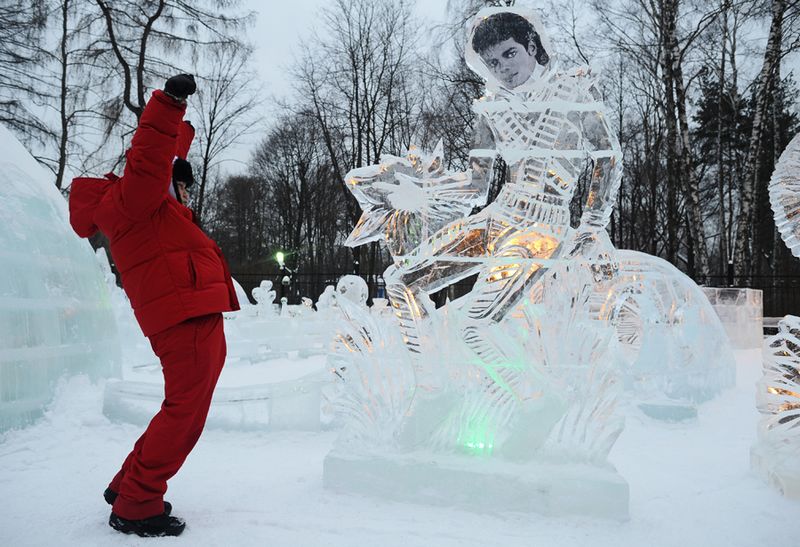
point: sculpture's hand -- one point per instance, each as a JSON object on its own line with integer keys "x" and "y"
{"x": 596, "y": 250}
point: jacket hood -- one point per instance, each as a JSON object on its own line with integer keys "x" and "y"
{"x": 84, "y": 197}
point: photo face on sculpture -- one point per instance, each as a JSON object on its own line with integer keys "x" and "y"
{"x": 510, "y": 62}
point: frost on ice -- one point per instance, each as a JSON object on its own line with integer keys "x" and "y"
{"x": 530, "y": 364}
{"x": 778, "y": 395}
{"x": 55, "y": 313}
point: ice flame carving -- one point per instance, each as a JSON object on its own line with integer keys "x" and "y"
{"x": 406, "y": 199}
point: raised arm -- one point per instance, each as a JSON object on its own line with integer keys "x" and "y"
{"x": 606, "y": 176}
{"x": 590, "y": 240}
{"x": 481, "y": 161}
{"x": 148, "y": 169}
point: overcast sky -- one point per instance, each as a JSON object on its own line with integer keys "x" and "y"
{"x": 279, "y": 30}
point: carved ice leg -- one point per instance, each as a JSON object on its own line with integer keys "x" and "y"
{"x": 499, "y": 288}
{"x": 449, "y": 256}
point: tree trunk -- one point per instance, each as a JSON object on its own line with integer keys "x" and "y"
{"x": 64, "y": 59}
{"x": 667, "y": 78}
{"x": 723, "y": 240}
{"x": 743, "y": 248}
{"x": 699, "y": 268}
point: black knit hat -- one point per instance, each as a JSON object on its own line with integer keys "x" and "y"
{"x": 182, "y": 172}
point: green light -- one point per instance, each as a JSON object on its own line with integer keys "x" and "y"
{"x": 477, "y": 436}
{"x": 279, "y": 256}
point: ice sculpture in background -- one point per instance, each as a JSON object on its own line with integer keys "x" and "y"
{"x": 327, "y": 299}
{"x": 55, "y": 312}
{"x": 775, "y": 456}
{"x": 784, "y": 195}
{"x": 264, "y": 296}
{"x": 353, "y": 288}
{"x": 741, "y": 311}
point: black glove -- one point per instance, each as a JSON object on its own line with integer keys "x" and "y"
{"x": 180, "y": 86}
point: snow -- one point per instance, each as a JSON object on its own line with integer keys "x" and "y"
{"x": 691, "y": 485}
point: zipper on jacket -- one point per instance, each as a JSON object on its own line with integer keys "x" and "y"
{"x": 192, "y": 271}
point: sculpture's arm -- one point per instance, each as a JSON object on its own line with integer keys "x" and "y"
{"x": 605, "y": 156}
{"x": 481, "y": 161}
{"x": 606, "y": 172}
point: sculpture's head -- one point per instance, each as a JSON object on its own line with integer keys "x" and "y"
{"x": 507, "y": 45}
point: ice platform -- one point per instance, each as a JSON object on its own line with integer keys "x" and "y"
{"x": 246, "y": 402}
{"x": 482, "y": 485}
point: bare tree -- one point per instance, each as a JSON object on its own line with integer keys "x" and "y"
{"x": 226, "y": 100}
{"x": 358, "y": 83}
{"x": 765, "y": 83}
{"x": 21, "y": 51}
{"x": 145, "y": 39}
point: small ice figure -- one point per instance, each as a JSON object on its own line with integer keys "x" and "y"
{"x": 264, "y": 296}
{"x": 327, "y": 299}
{"x": 354, "y": 288}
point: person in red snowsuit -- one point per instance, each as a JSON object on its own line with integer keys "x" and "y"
{"x": 178, "y": 284}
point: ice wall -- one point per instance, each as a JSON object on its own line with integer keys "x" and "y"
{"x": 55, "y": 311}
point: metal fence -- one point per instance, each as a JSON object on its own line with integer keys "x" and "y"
{"x": 781, "y": 293}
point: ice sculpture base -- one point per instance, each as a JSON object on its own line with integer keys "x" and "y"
{"x": 780, "y": 471}
{"x": 481, "y": 485}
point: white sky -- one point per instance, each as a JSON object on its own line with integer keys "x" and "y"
{"x": 279, "y": 29}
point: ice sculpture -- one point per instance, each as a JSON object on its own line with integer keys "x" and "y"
{"x": 775, "y": 456}
{"x": 327, "y": 299}
{"x": 264, "y": 296}
{"x": 55, "y": 313}
{"x": 784, "y": 195}
{"x": 741, "y": 312}
{"x": 528, "y": 366}
{"x": 354, "y": 289}
{"x": 407, "y": 200}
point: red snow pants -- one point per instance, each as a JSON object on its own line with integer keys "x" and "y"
{"x": 192, "y": 354}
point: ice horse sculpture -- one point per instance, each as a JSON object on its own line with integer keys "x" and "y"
{"x": 56, "y": 317}
{"x": 775, "y": 456}
{"x": 529, "y": 365}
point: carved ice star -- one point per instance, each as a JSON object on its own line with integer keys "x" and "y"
{"x": 407, "y": 199}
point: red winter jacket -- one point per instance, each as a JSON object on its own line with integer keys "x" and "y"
{"x": 171, "y": 271}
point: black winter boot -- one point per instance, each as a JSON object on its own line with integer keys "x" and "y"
{"x": 110, "y": 496}
{"x": 157, "y": 526}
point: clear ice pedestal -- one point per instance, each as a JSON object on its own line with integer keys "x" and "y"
{"x": 551, "y": 489}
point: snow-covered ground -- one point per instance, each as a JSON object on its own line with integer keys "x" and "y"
{"x": 691, "y": 485}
